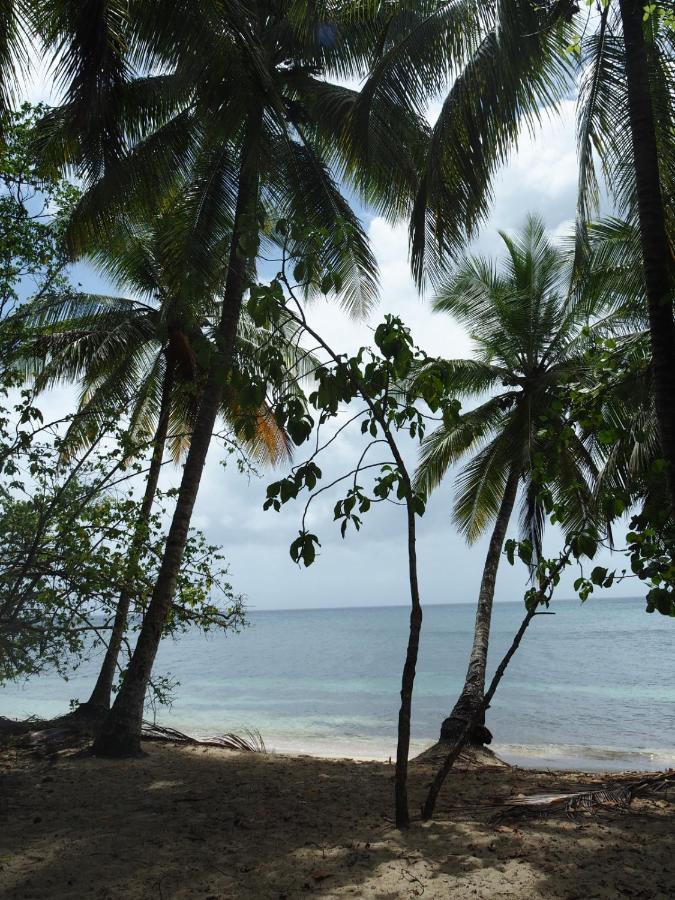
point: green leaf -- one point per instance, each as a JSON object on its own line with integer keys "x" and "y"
{"x": 299, "y": 272}
{"x": 525, "y": 552}
{"x": 418, "y": 504}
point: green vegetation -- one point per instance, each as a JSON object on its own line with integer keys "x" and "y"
{"x": 205, "y": 158}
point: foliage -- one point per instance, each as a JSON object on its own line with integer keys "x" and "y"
{"x": 67, "y": 515}
{"x": 631, "y": 481}
{"x": 634, "y": 471}
{"x": 373, "y": 378}
{"x": 502, "y": 68}
{"x": 127, "y": 351}
{"x": 372, "y": 375}
{"x": 498, "y": 66}
{"x": 34, "y": 210}
{"x": 145, "y": 115}
{"x": 67, "y": 528}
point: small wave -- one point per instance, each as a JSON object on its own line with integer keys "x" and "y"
{"x": 586, "y": 757}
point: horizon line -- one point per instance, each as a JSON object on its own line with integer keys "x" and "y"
{"x": 406, "y": 606}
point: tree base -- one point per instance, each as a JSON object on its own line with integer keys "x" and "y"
{"x": 454, "y": 725}
{"x": 473, "y": 756}
{"x": 116, "y": 743}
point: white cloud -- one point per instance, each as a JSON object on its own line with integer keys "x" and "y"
{"x": 547, "y": 158}
{"x": 541, "y": 178}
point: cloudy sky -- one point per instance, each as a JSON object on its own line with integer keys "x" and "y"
{"x": 369, "y": 568}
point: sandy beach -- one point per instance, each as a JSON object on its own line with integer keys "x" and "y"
{"x": 195, "y": 822}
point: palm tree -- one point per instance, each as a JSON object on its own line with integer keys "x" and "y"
{"x": 525, "y": 324}
{"x": 629, "y": 445}
{"x": 139, "y": 358}
{"x": 244, "y": 105}
{"x": 511, "y": 61}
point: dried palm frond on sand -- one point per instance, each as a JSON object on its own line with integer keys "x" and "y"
{"x": 618, "y": 793}
{"x": 250, "y": 741}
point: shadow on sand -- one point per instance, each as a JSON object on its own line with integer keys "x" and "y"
{"x": 190, "y": 822}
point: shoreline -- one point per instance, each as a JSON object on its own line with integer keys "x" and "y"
{"x": 540, "y": 757}
{"x": 554, "y": 757}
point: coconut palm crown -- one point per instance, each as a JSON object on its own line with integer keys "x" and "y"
{"x": 525, "y": 325}
{"x": 132, "y": 354}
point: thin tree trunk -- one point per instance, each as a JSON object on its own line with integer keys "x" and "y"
{"x": 656, "y": 254}
{"x": 410, "y": 665}
{"x": 471, "y": 698}
{"x": 99, "y": 701}
{"x": 121, "y": 731}
{"x": 402, "y": 812}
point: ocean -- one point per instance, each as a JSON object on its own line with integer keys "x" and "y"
{"x": 591, "y": 687}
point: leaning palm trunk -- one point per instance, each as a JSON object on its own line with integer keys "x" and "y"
{"x": 471, "y": 699}
{"x": 121, "y": 731}
{"x": 99, "y": 701}
{"x": 656, "y": 253}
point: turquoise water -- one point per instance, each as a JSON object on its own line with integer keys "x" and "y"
{"x": 591, "y": 686}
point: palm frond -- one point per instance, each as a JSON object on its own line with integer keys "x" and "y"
{"x": 465, "y": 377}
{"x": 378, "y": 157}
{"x": 15, "y": 40}
{"x": 249, "y": 741}
{"x": 481, "y": 482}
{"x": 448, "y": 444}
{"x": 136, "y": 186}
{"x": 88, "y": 43}
{"x": 588, "y": 133}
{"x": 619, "y": 792}
{"x": 303, "y": 188}
{"x": 516, "y": 71}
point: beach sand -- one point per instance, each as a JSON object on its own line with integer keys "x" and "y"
{"x": 205, "y": 823}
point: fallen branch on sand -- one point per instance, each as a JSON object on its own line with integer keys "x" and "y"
{"x": 50, "y": 736}
{"x": 10, "y": 728}
{"x": 620, "y": 794}
{"x": 46, "y": 737}
{"x": 251, "y": 741}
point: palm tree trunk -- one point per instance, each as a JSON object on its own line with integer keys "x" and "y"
{"x": 656, "y": 255}
{"x": 120, "y": 734}
{"x": 471, "y": 698}
{"x": 99, "y": 701}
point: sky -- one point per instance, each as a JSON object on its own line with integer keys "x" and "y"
{"x": 370, "y": 568}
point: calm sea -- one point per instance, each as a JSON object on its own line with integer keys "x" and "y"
{"x": 592, "y": 686}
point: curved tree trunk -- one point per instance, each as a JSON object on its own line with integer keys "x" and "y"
{"x": 656, "y": 254}
{"x": 471, "y": 698}
{"x": 120, "y": 734}
{"x": 99, "y": 701}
